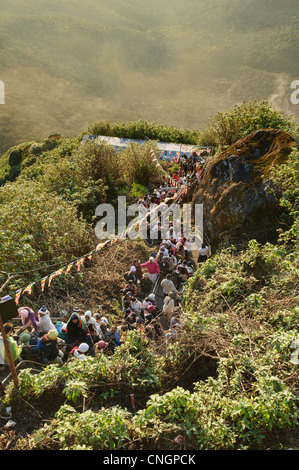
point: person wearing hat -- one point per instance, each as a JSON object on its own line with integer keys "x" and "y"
{"x": 149, "y": 314}
{"x": 152, "y": 268}
{"x": 80, "y": 351}
{"x": 44, "y": 323}
{"x": 152, "y": 298}
{"x": 24, "y": 339}
{"x": 131, "y": 275}
{"x": 146, "y": 285}
{"x": 48, "y": 347}
{"x": 101, "y": 347}
{"x": 24, "y": 342}
{"x": 28, "y": 318}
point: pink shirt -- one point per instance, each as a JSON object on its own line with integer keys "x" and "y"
{"x": 152, "y": 268}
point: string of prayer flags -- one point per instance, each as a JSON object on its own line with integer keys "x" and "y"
{"x": 152, "y": 153}
{"x": 80, "y": 262}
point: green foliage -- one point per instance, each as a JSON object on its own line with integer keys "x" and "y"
{"x": 106, "y": 429}
{"x": 38, "y": 228}
{"x": 133, "y": 363}
{"x": 286, "y": 178}
{"x": 212, "y": 418}
{"x": 225, "y": 128}
{"x": 137, "y": 166}
{"x": 48, "y": 211}
{"x": 244, "y": 305}
{"x": 143, "y": 130}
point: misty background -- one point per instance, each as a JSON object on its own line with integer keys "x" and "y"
{"x": 68, "y": 63}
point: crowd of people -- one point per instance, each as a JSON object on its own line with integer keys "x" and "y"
{"x": 88, "y": 334}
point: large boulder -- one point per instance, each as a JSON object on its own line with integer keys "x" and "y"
{"x": 239, "y": 202}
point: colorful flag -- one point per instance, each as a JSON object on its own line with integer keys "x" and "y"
{"x": 17, "y": 298}
{"x": 57, "y": 273}
{"x": 99, "y": 246}
{"x": 43, "y": 281}
{"x": 78, "y": 263}
{"x": 28, "y": 289}
{"x": 68, "y": 268}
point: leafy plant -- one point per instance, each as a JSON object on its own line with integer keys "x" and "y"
{"x": 225, "y": 128}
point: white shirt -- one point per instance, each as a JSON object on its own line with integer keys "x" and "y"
{"x": 203, "y": 251}
{"x": 45, "y": 324}
{"x": 89, "y": 320}
{"x": 168, "y": 286}
{"x": 136, "y": 306}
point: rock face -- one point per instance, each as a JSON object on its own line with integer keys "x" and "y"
{"x": 238, "y": 204}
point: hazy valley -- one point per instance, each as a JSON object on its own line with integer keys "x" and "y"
{"x": 67, "y": 64}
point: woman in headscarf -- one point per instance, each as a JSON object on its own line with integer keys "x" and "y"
{"x": 89, "y": 319}
{"x": 75, "y": 329}
{"x": 44, "y": 324}
{"x": 92, "y": 328}
{"x": 28, "y": 319}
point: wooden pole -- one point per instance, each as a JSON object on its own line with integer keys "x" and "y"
{"x": 8, "y": 354}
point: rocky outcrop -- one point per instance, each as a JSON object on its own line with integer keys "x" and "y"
{"x": 239, "y": 203}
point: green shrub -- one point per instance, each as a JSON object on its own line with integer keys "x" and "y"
{"x": 143, "y": 130}
{"x": 225, "y": 128}
{"x": 106, "y": 429}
